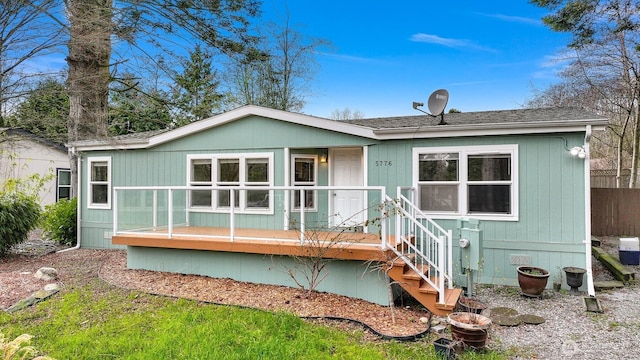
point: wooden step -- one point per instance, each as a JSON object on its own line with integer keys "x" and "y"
{"x": 403, "y": 247}
{"x": 410, "y": 274}
{"x": 412, "y": 283}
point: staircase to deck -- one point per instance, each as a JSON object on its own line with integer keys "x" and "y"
{"x": 420, "y": 261}
{"x": 413, "y": 282}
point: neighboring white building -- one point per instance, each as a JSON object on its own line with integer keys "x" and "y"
{"x": 23, "y": 154}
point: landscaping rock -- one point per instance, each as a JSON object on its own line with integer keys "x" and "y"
{"x": 506, "y": 320}
{"x": 52, "y": 287}
{"x": 47, "y": 274}
{"x": 531, "y": 319}
{"x": 35, "y": 298}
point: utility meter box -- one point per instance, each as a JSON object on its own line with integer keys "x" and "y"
{"x": 470, "y": 243}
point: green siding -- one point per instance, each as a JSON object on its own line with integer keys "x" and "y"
{"x": 551, "y": 225}
{"x": 349, "y": 278}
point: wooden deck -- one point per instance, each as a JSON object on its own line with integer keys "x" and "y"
{"x": 343, "y": 245}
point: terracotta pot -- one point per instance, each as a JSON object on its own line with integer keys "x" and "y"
{"x": 532, "y": 280}
{"x": 471, "y": 329}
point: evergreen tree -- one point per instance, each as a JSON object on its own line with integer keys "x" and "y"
{"x": 131, "y": 109}
{"x": 45, "y": 111}
{"x": 195, "y": 93}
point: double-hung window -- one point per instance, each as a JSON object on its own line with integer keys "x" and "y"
{"x": 478, "y": 181}
{"x": 305, "y": 170}
{"x": 63, "y": 184}
{"x": 99, "y": 182}
{"x": 201, "y": 176}
{"x": 239, "y": 172}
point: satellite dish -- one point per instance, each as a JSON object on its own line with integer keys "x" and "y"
{"x": 438, "y": 101}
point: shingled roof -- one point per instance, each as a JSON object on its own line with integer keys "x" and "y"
{"x": 499, "y": 117}
{"x": 521, "y": 121}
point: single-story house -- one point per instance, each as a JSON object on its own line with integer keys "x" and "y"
{"x": 23, "y": 155}
{"x": 248, "y": 193}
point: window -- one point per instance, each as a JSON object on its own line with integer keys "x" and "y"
{"x": 201, "y": 176}
{"x": 479, "y": 181}
{"x": 235, "y": 170}
{"x": 63, "y": 184}
{"x": 304, "y": 174}
{"x": 257, "y": 175}
{"x": 99, "y": 187}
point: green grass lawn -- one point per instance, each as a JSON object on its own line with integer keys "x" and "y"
{"x": 99, "y": 321}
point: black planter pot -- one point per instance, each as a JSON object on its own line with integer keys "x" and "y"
{"x": 532, "y": 280}
{"x": 444, "y": 348}
{"x": 575, "y": 277}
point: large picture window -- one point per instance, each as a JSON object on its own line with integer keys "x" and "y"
{"x": 305, "y": 170}
{"x": 99, "y": 182}
{"x": 231, "y": 170}
{"x": 479, "y": 181}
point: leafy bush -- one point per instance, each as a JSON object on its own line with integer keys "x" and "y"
{"x": 60, "y": 221}
{"x": 19, "y": 214}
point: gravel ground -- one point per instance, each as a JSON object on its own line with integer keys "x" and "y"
{"x": 570, "y": 332}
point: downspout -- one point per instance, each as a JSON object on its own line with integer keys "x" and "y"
{"x": 79, "y": 203}
{"x": 587, "y": 218}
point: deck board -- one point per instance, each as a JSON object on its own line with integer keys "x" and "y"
{"x": 344, "y": 245}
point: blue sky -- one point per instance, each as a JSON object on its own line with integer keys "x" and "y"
{"x": 489, "y": 55}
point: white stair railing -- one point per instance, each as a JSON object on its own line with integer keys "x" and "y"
{"x": 422, "y": 243}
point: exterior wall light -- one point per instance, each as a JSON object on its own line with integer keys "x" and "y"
{"x": 578, "y": 151}
{"x": 323, "y": 158}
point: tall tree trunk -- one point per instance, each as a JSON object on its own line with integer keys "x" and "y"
{"x": 620, "y": 151}
{"x": 88, "y": 77}
{"x": 636, "y": 145}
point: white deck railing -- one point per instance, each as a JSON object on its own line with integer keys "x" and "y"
{"x": 175, "y": 210}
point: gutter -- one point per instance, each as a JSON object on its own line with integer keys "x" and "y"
{"x": 587, "y": 218}
{"x": 79, "y": 204}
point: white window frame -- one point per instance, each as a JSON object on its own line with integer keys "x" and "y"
{"x": 242, "y": 158}
{"x": 463, "y": 154}
{"x": 295, "y": 157}
{"x": 90, "y": 183}
{"x": 59, "y": 186}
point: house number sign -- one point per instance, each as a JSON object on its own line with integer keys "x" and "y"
{"x": 384, "y": 163}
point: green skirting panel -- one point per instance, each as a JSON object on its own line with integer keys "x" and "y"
{"x": 349, "y": 278}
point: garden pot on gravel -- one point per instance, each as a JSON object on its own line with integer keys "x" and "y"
{"x": 532, "y": 280}
{"x": 469, "y": 328}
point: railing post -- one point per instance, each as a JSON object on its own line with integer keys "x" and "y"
{"x": 170, "y": 214}
{"x": 232, "y": 215}
{"x": 155, "y": 209}
{"x": 302, "y": 227}
{"x": 383, "y": 220}
{"x": 398, "y": 231}
{"x": 441, "y": 266}
{"x": 115, "y": 211}
{"x": 450, "y": 257}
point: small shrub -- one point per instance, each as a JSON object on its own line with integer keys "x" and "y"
{"x": 19, "y": 214}
{"x": 59, "y": 221}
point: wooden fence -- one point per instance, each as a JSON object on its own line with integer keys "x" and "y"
{"x": 615, "y": 212}
{"x": 607, "y": 178}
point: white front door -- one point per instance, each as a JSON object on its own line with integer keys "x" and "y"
{"x": 347, "y": 170}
